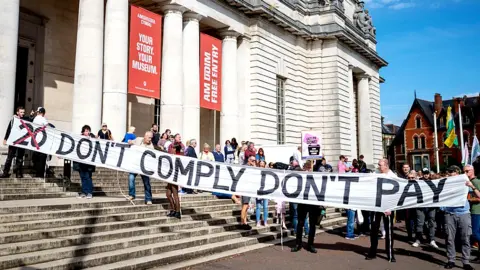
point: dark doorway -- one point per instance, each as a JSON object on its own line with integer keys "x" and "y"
{"x": 21, "y": 77}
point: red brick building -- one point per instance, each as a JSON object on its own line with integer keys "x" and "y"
{"x": 415, "y": 144}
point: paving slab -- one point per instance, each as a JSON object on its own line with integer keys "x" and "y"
{"x": 335, "y": 252}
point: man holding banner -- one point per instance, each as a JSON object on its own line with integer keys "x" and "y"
{"x": 376, "y": 218}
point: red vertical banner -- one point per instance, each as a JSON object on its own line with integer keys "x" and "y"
{"x": 210, "y": 72}
{"x": 144, "y": 53}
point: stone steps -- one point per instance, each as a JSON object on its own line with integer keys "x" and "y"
{"x": 30, "y": 196}
{"x": 111, "y": 233}
{"x": 187, "y": 264}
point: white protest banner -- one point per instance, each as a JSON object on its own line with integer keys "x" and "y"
{"x": 374, "y": 192}
{"x": 312, "y": 144}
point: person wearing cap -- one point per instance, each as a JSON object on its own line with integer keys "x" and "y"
{"x": 105, "y": 133}
{"x": 425, "y": 215}
{"x": 40, "y": 159}
{"x": 458, "y": 220}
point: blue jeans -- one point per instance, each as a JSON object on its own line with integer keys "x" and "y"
{"x": 261, "y": 202}
{"x": 476, "y": 227}
{"x": 146, "y": 184}
{"x": 294, "y": 215}
{"x": 350, "y": 223}
{"x": 87, "y": 183}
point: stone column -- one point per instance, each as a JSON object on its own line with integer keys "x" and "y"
{"x": 353, "y": 113}
{"x": 171, "y": 110}
{"x": 8, "y": 64}
{"x": 115, "y": 72}
{"x": 364, "y": 120}
{"x": 191, "y": 82}
{"x": 243, "y": 73}
{"x": 87, "y": 89}
{"x": 229, "y": 115}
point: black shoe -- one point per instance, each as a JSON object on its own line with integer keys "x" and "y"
{"x": 449, "y": 265}
{"x": 370, "y": 257}
{"x": 171, "y": 214}
{"x": 5, "y": 175}
{"x": 392, "y": 259}
{"x": 19, "y": 175}
{"x": 468, "y": 267}
{"x": 311, "y": 249}
{"x": 296, "y": 248}
{"x": 177, "y": 215}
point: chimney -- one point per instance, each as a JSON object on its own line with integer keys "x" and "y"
{"x": 456, "y": 102}
{"x": 438, "y": 103}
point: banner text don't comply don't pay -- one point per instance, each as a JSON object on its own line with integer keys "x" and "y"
{"x": 374, "y": 192}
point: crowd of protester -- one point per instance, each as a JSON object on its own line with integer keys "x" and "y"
{"x": 422, "y": 224}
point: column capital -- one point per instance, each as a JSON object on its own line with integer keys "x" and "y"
{"x": 191, "y": 16}
{"x": 245, "y": 37}
{"x": 172, "y": 8}
{"x": 364, "y": 76}
{"x": 350, "y": 66}
{"x": 229, "y": 34}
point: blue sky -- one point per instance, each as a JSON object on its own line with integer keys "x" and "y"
{"x": 432, "y": 46}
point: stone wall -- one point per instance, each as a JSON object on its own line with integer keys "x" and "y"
{"x": 59, "y": 57}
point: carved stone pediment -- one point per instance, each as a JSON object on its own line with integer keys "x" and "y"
{"x": 363, "y": 20}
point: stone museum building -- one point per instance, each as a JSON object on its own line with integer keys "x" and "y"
{"x": 287, "y": 66}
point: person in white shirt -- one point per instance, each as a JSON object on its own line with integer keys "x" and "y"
{"x": 297, "y": 155}
{"x": 40, "y": 118}
{"x": 40, "y": 159}
{"x": 376, "y": 217}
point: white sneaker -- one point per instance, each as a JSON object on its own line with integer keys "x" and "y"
{"x": 433, "y": 244}
{"x": 89, "y": 196}
{"x": 416, "y": 244}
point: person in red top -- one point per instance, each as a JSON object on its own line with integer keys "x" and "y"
{"x": 175, "y": 148}
{"x": 251, "y": 151}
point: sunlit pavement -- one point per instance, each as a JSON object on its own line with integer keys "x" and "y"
{"x": 335, "y": 252}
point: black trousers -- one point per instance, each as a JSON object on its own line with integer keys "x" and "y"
{"x": 376, "y": 218}
{"x": 40, "y": 161}
{"x": 365, "y": 227}
{"x": 12, "y": 153}
{"x": 313, "y": 211}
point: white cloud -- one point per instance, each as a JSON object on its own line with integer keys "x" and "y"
{"x": 468, "y": 95}
{"x": 392, "y": 4}
{"x": 402, "y": 5}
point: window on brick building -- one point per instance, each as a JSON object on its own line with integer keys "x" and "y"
{"x": 423, "y": 142}
{"x": 466, "y": 120}
{"x": 402, "y": 148}
{"x": 466, "y": 137}
{"x": 280, "y": 110}
{"x": 442, "y": 122}
{"x": 446, "y": 157}
{"x": 415, "y": 142}
{"x": 420, "y": 161}
{"x": 418, "y": 121}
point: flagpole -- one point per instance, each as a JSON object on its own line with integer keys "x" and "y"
{"x": 461, "y": 128}
{"x": 436, "y": 141}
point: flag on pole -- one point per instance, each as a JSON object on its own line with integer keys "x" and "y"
{"x": 465, "y": 155}
{"x": 475, "y": 149}
{"x": 451, "y": 136}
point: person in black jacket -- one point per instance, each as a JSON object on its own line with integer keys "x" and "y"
{"x": 85, "y": 170}
{"x": 12, "y": 150}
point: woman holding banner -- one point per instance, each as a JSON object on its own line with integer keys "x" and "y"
{"x": 85, "y": 170}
